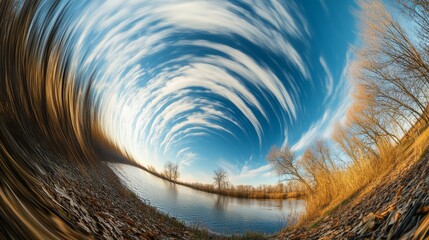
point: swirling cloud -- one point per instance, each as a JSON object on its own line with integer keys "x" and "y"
{"x": 173, "y": 73}
{"x": 199, "y": 81}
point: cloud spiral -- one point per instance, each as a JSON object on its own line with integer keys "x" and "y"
{"x": 171, "y": 75}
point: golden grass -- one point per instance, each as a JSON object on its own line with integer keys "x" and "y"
{"x": 338, "y": 187}
{"x": 421, "y": 142}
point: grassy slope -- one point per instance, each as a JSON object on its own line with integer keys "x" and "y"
{"x": 379, "y": 206}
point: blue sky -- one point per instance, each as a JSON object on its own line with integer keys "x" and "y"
{"x": 211, "y": 84}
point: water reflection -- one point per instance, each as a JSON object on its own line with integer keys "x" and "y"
{"x": 221, "y": 203}
{"x": 171, "y": 187}
{"x": 217, "y": 213}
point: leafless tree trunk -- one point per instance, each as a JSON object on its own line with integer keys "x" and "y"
{"x": 171, "y": 171}
{"x": 395, "y": 67}
{"x": 221, "y": 178}
{"x": 285, "y": 164}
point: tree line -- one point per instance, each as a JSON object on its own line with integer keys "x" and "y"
{"x": 388, "y": 119}
{"x": 222, "y": 185}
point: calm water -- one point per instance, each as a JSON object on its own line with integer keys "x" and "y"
{"x": 217, "y": 213}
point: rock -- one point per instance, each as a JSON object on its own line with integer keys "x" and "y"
{"x": 84, "y": 227}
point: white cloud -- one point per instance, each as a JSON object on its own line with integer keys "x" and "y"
{"x": 329, "y": 79}
{"x": 343, "y": 91}
{"x": 336, "y": 112}
{"x": 308, "y": 137}
{"x": 247, "y": 174}
{"x": 227, "y": 166}
{"x": 188, "y": 158}
{"x": 324, "y": 6}
{"x": 153, "y": 113}
{"x": 265, "y": 170}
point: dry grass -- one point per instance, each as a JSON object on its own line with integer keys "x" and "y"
{"x": 338, "y": 187}
{"x": 275, "y": 195}
{"x": 421, "y": 143}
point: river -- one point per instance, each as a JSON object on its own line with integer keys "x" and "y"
{"x": 218, "y": 214}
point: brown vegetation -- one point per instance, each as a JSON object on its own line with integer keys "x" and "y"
{"x": 171, "y": 171}
{"x": 264, "y": 191}
{"x": 387, "y": 121}
{"x": 221, "y": 179}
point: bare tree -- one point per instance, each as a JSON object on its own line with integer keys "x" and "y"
{"x": 394, "y": 66}
{"x": 284, "y": 162}
{"x": 221, "y": 179}
{"x": 391, "y": 82}
{"x": 373, "y": 120}
{"x": 319, "y": 164}
{"x": 171, "y": 171}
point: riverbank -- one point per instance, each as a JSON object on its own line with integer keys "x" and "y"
{"x": 395, "y": 206}
{"x": 96, "y": 204}
{"x": 93, "y": 202}
{"x": 238, "y": 192}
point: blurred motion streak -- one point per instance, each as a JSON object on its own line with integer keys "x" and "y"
{"x": 43, "y": 101}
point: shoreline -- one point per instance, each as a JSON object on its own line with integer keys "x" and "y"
{"x": 96, "y": 203}
{"x": 256, "y": 195}
{"x": 91, "y": 200}
{"x": 394, "y": 206}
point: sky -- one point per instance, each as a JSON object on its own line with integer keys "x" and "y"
{"x": 216, "y": 84}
